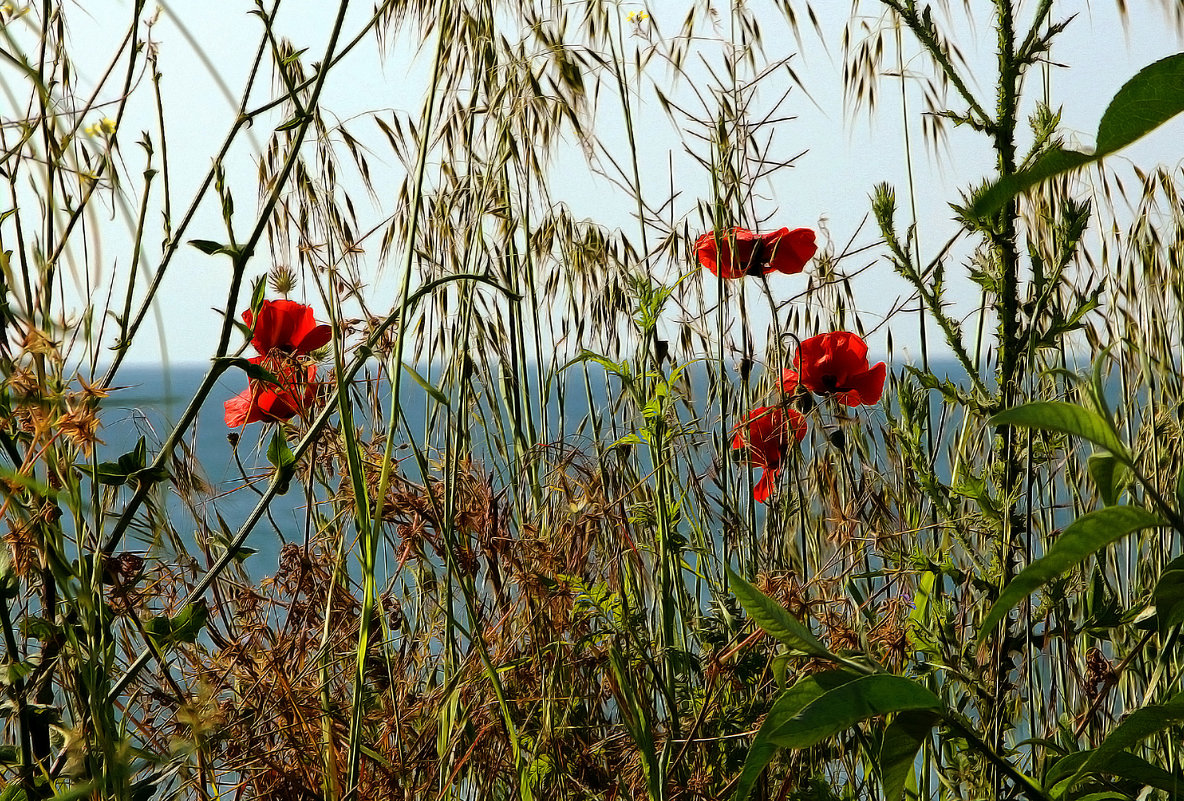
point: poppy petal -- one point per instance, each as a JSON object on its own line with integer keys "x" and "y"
{"x": 764, "y": 487}
{"x": 728, "y": 254}
{"x": 238, "y": 409}
{"x": 835, "y": 363}
{"x": 865, "y": 388}
{"x": 788, "y": 251}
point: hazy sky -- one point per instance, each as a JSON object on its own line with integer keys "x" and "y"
{"x": 845, "y": 153}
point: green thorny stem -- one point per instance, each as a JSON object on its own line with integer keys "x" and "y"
{"x": 1001, "y": 236}
{"x": 1003, "y": 243}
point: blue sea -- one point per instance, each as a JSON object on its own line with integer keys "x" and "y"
{"x": 150, "y": 399}
{"x": 147, "y": 403}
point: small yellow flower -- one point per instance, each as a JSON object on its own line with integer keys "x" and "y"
{"x": 104, "y": 127}
{"x": 637, "y": 17}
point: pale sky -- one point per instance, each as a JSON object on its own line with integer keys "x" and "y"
{"x": 845, "y": 153}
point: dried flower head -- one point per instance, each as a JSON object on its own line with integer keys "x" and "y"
{"x": 79, "y": 425}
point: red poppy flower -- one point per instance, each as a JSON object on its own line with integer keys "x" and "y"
{"x": 836, "y": 364}
{"x": 283, "y": 332}
{"x": 287, "y": 326}
{"x": 764, "y": 434}
{"x": 264, "y": 402}
{"x": 740, "y": 252}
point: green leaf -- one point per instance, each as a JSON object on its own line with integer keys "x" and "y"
{"x": 1055, "y": 161}
{"x": 619, "y": 369}
{"x": 258, "y": 294}
{"x": 117, "y": 473}
{"x": 903, "y": 738}
{"x": 1083, "y": 537}
{"x": 1169, "y": 595}
{"x": 109, "y": 474}
{"x": 436, "y": 394}
{"x": 13, "y": 792}
{"x": 254, "y": 371}
{"x": 81, "y": 790}
{"x": 1108, "y": 474}
{"x": 1135, "y": 769}
{"x": 135, "y": 459}
{"x": 787, "y": 706}
{"x": 1063, "y": 776}
{"x": 628, "y": 439}
{"x": 209, "y": 247}
{"x": 772, "y": 617}
{"x": 850, "y": 703}
{"x": 1067, "y": 418}
{"x": 181, "y": 627}
{"x": 1146, "y": 101}
{"x": 1180, "y": 490}
{"x": 294, "y": 122}
{"x": 278, "y": 452}
{"x": 293, "y": 57}
{"x": 281, "y": 456}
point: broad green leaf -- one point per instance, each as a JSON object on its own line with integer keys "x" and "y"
{"x": 1107, "y": 473}
{"x": 902, "y": 740}
{"x": 182, "y": 627}
{"x": 1083, "y": 537}
{"x": 1169, "y": 595}
{"x": 788, "y": 705}
{"x": 1138, "y": 726}
{"x": 851, "y": 703}
{"x": 772, "y": 617}
{"x": 1146, "y": 101}
{"x": 109, "y": 474}
{"x": 1063, "y": 776}
{"x": 1055, "y": 161}
{"x": 117, "y": 473}
{"x": 278, "y": 452}
{"x": 1067, "y": 418}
